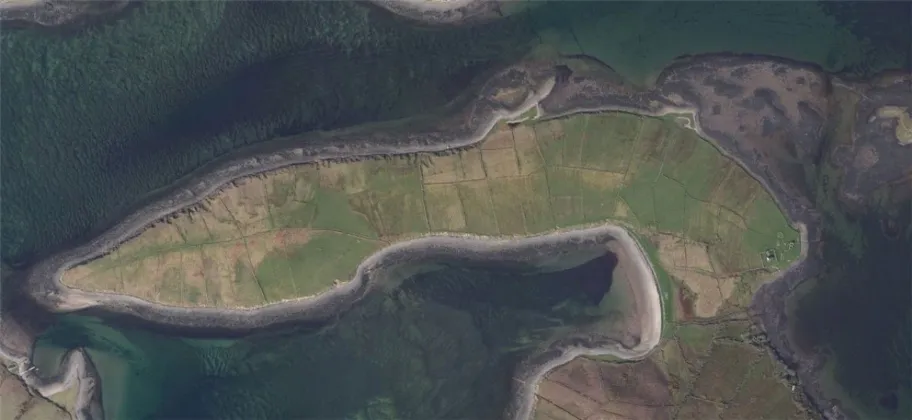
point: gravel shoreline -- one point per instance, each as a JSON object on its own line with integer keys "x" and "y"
{"x": 553, "y": 94}
{"x": 371, "y": 274}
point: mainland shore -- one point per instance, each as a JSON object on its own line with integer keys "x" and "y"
{"x": 694, "y": 86}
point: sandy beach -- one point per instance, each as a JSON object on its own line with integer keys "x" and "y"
{"x": 446, "y": 12}
{"x": 633, "y": 260}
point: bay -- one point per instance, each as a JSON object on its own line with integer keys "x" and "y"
{"x": 443, "y": 343}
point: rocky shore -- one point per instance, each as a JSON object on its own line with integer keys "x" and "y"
{"x": 765, "y": 113}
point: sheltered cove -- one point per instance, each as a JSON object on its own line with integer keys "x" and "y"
{"x": 553, "y": 95}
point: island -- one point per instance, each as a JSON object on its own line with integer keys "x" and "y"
{"x": 697, "y": 185}
{"x": 289, "y": 243}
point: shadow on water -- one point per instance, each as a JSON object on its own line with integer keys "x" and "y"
{"x": 860, "y": 313}
{"x": 442, "y": 344}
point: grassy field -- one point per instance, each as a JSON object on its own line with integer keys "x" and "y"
{"x": 298, "y": 231}
{"x": 19, "y": 404}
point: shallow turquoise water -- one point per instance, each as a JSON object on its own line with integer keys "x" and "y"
{"x": 443, "y": 344}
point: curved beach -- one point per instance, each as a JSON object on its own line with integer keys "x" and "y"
{"x": 637, "y": 342}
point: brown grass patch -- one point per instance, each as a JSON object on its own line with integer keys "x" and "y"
{"x": 699, "y": 409}
{"x": 500, "y": 163}
{"x": 690, "y": 263}
{"x": 349, "y": 177}
{"x": 203, "y": 275}
{"x": 248, "y": 205}
{"x": 215, "y": 219}
{"x": 444, "y": 208}
{"x": 162, "y": 235}
{"x": 499, "y": 138}
{"x": 472, "y": 165}
{"x": 622, "y": 210}
{"x": 595, "y": 389}
{"x": 545, "y": 410}
{"x": 530, "y": 157}
{"x": 601, "y": 179}
{"x": 681, "y": 253}
{"x": 442, "y": 169}
{"x": 567, "y": 399}
{"x": 709, "y": 297}
{"x": 134, "y": 278}
{"x": 305, "y": 183}
{"x": 724, "y": 370}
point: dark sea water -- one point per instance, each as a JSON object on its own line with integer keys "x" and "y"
{"x": 441, "y": 344}
{"x": 860, "y": 311}
{"x": 96, "y": 117}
